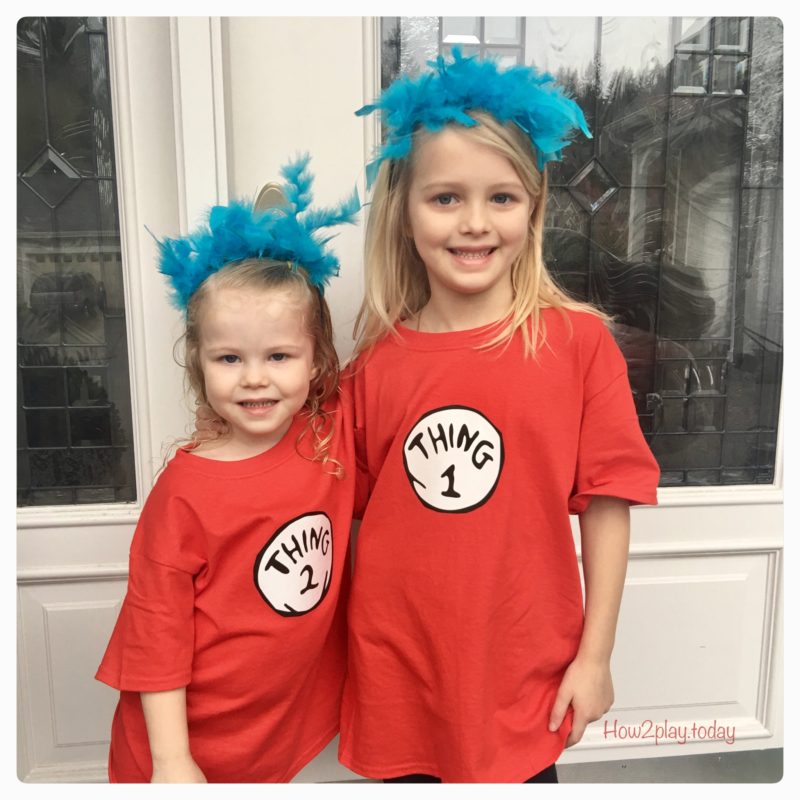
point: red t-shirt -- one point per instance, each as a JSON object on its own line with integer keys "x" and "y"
{"x": 466, "y": 606}
{"x": 237, "y": 591}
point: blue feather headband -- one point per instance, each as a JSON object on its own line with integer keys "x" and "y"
{"x": 240, "y": 230}
{"x": 519, "y": 94}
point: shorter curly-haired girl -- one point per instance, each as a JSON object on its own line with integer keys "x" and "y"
{"x": 229, "y": 650}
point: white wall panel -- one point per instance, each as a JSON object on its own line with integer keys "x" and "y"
{"x": 74, "y": 636}
{"x": 65, "y": 627}
{"x": 694, "y": 648}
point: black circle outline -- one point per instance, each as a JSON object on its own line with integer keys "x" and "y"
{"x": 499, "y": 469}
{"x": 266, "y": 547}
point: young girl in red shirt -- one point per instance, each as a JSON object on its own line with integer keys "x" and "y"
{"x": 229, "y": 650}
{"x": 489, "y": 407}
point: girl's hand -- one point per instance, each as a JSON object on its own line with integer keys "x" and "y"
{"x": 181, "y": 769}
{"x": 588, "y": 688}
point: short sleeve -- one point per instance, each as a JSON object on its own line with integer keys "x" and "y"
{"x": 613, "y": 456}
{"x": 152, "y": 644}
{"x": 153, "y": 641}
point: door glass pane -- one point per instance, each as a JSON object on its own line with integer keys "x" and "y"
{"x": 692, "y": 33}
{"x": 75, "y": 442}
{"x": 502, "y": 30}
{"x": 732, "y": 34}
{"x": 464, "y": 30}
{"x": 670, "y": 218}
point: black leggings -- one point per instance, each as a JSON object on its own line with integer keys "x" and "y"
{"x": 547, "y": 775}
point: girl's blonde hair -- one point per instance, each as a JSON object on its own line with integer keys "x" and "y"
{"x": 265, "y": 275}
{"x": 396, "y": 283}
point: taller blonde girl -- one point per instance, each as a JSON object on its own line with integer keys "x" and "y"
{"x": 469, "y": 659}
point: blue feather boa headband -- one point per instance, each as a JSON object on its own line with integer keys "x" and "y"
{"x": 519, "y": 94}
{"x": 239, "y": 231}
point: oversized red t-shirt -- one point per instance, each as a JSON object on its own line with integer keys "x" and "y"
{"x": 466, "y": 606}
{"x": 237, "y": 591}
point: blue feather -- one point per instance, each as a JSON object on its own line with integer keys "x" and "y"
{"x": 238, "y": 231}
{"x": 519, "y": 94}
{"x": 298, "y": 182}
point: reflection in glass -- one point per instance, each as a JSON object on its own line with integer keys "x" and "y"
{"x": 765, "y": 98}
{"x": 730, "y": 75}
{"x": 565, "y": 47}
{"x": 731, "y": 33}
{"x": 690, "y": 73}
{"x": 46, "y": 428}
{"x": 705, "y": 413}
{"x": 87, "y": 387}
{"x": 692, "y": 33}
{"x": 43, "y": 387}
{"x": 673, "y": 377}
{"x": 632, "y": 110}
{"x": 636, "y": 53}
{"x": 90, "y": 428}
{"x": 629, "y": 228}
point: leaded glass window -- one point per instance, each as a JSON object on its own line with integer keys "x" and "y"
{"x": 669, "y": 218}
{"x": 74, "y": 441}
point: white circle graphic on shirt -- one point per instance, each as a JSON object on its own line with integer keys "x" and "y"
{"x": 293, "y": 570}
{"x": 453, "y": 458}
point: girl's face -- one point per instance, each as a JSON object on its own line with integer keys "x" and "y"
{"x": 257, "y": 360}
{"x": 469, "y": 214}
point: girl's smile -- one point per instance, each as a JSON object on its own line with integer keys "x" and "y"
{"x": 257, "y": 408}
{"x": 472, "y": 257}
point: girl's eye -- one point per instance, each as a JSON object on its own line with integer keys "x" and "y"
{"x": 229, "y": 358}
{"x": 502, "y": 198}
{"x": 444, "y": 199}
{"x": 278, "y": 357}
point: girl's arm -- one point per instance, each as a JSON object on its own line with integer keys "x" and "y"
{"x": 605, "y": 536}
{"x": 168, "y": 733}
